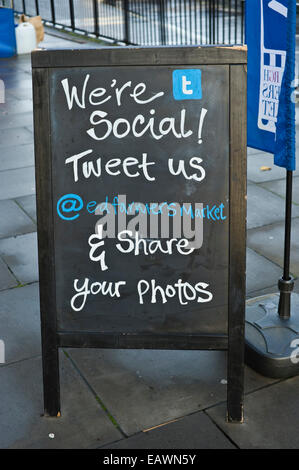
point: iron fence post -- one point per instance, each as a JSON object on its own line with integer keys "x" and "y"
{"x": 242, "y": 20}
{"x": 162, "y": 22}
{"x": 72, "y": 14}
{"x": 213, "y": 21}
{"x": 210, "y": 21}
{"x": 126, "y": 21}
{"x": 96, "y": 17}
{"x": 53, "y": 12}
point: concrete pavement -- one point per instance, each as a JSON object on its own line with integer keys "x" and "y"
{"x": 113, "y": 398}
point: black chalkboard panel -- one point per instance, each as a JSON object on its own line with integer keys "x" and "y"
{"x": 140, "y": 157}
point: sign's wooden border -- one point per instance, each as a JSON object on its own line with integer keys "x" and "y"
{"x": 52, "y": 338}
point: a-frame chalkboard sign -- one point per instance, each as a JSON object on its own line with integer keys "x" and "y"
{"x": 141, "y": 201}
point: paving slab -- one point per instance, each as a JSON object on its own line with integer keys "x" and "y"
{"x": 22, "y": 82}
{"x": 144, "y": 388}
{"x": 20, "y": 322}
{"x": 23, "y": 64}
{"x": 13, "y": 220}
{"x": 272, "y": 289}
{"x": 12, "y": 121}
{"x": 17, "y": 64}
{"x": 13, "y": 107}
{"x": 13, "y": 137}
{"x": 83, "y": 423}
{"x": 7, "y": 68}
{"x": 9, "y": 74}
{"x": 279, "y": 187}
{"x": 269, "y": 242}
{"x": 267, "y": 290}
{"x": 256, "y": 175}
{"x": 28, "y": 204}
{"x": 20, "y": 94}
{"x": 196, "y": 431}
{"x": 260, "y": 272}
{"x": 7, "y": 280}
{"x": 17, "y": 182}
{"x": 271, "y": 418}
{"x": 14, "y": 67}
{"x": 264, "y": 207}
{"x": 16, "y": 157}
{"x": 20, "y": 254}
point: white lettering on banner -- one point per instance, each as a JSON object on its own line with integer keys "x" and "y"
{"x": 278, "y": 7}
{"x": 271, "y": 72}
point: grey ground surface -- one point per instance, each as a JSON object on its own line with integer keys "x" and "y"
{"x": 115, "y": 398}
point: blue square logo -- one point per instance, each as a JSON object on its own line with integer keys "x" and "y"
{"x": 187, "y": 84}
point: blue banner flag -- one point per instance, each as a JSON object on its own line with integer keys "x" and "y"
{"x": 7, "y": 33}
{"x": 270, "y": 38}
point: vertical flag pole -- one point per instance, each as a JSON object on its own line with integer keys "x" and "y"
{"x": 286, "y": 282}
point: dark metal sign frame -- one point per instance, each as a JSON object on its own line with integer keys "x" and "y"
{"x": 52, "y": 338}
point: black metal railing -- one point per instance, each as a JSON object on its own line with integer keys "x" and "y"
{"x": 145, "y": 22}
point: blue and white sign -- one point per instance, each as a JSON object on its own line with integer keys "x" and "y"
{"x": 270, "y": 37}
{"x": 187, "y": 84}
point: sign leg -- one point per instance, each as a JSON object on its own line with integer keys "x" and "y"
{"x": 45, "y": 217}
{"x": 237, "y": 248}
{"x": 51, "y": 379}
{"x": 235, "y": 382}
